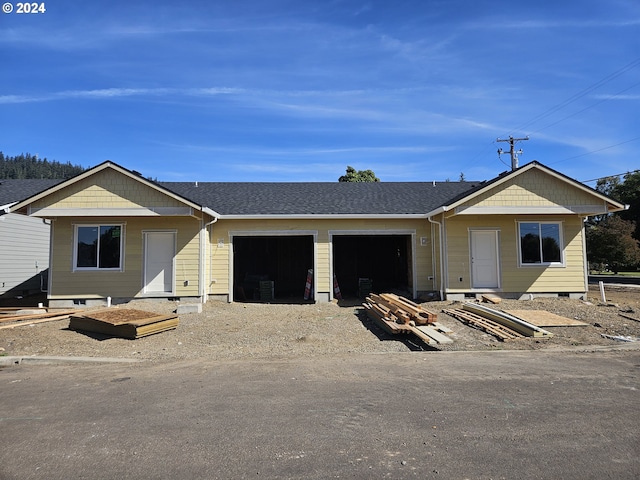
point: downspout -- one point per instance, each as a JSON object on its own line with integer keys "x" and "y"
{"x": 203, "y": 287}
{"x": 440, "y": 241}
{"x": 584, "y": 256}
{"x": 42, "y": 288}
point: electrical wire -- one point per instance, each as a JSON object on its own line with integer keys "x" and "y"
{"x": 609, "y": 176}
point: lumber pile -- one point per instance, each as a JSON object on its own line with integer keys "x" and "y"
{"x": 125, "y": 323}
{"x": 396, "y": 314}
{"x": 502, "y": 324}
{"x": 11, "y": 317}
{"x": 486, "y": 325}
{"x": 402, "y": 310}
{"x": 511, "y": 321}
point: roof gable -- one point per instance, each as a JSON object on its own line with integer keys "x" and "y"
{"x": 533, "y": 188}
{"x": 106, "y": 190}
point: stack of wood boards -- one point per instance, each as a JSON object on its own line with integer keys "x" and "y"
{"x": 486, "y": 325}
{"x": 403, "y": 310}
{"x": 125, "y": 323}
{"x": 11, "y": 317}
{"x": 397, "y": 314}
{"x": 501, "y": 324}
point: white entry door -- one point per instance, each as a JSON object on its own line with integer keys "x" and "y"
{"x": 159, "y": 253}
{"x": 484, "y": 259}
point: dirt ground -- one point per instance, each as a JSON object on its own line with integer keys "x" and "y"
{"x": 250, "y": 330}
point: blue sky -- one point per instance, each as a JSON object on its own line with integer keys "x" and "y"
{"x": 268, "y": 90}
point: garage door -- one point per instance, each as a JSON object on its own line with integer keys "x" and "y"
{"x": 281, "y": 259}
{"x": 384, "y": 259}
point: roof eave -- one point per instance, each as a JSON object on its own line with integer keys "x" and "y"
{"x": 324, "y": 216}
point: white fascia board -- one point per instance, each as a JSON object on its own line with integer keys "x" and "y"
{"x": 437, "y": 211}
{"x": 324, "y": 216}
{"x": 211, "y": 213}
{"x": 6, "y": 208}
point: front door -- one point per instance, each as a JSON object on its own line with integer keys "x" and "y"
{"x": 159, "y": 253}
{"x": 484, "y": 259}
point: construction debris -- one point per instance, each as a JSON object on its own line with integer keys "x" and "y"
{"x": 125, "y": 323}
{"x": 620, "y": 338}
{"x": 489, "y": 326}
{"x": 542, "y": 318}
{"x": 511, "y": 321}
{"x": 397, "y": 314}
{"x": 491, "y": 299}
{"x": 18, "y": 317}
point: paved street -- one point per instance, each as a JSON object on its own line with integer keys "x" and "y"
{"x": 415, "y": 415}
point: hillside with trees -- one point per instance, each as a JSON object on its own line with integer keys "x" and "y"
{"x": 30, "y": 166}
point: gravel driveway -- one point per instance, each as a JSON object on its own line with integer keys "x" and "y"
{"x": 228, "y": 331}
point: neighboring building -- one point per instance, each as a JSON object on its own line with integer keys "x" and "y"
{"x": 24, "y": 241}
{"x": 116, "y": 234}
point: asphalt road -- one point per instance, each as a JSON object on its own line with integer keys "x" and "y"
{"x": 614, "y": 279}
{"x": 477, "y": 415}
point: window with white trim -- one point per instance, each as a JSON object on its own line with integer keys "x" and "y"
{"x": 97, "y": 247}
{"x": 540, "y": 243}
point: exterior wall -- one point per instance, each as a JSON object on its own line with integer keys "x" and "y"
{"x": 24, "y": 254}
{"x": 221, "y": 264}
{"x": 106, "y": 189}
{"x": 533, "y": 188}
{"x": 516, "y": 279}
{"x": 128, "y": 283}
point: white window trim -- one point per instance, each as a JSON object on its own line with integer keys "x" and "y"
{"x": 560, "y": 264}
{"x": 74, "y": 259}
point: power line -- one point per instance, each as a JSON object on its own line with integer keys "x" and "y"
{"x": 596, "y": 151}
{"x": 581, "y": 93}
{"x": 587, "y": 108}
{"x": 608, "y": 176}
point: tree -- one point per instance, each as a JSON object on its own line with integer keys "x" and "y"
{"x": 30, "y": 166}
{"x": 358, "y": 176}
{"x": 611, "y": 242}
{"x": 628, "y": 192}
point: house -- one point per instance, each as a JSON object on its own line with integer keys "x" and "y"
{"x": 24, "y": 241}
{"x": 116, "y": 234}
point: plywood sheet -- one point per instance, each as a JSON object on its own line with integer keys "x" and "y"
{"x": 125, "y": 323}
{"x": 542, "y": 318}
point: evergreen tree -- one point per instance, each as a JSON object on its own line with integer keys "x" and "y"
{"x": 30, "y": 166}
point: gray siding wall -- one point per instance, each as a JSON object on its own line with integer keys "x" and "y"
{"x": 24, "y": 253}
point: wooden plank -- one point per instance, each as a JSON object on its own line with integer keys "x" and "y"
{"x": 542, "y": 318}
{"x": 36, "y": 315}
{"x": 434, "y": 334}
{"x": 507, "y": 320}
{"x": 421, "y": 335}
{"x": 42, "y": 320}
{"x": 500, "y": 331}
{"x": 491, "y": 299}
{"x": 441, "y": 328}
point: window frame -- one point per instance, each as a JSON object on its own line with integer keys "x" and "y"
{"x": 558, "y": 264}
{"x": 74, "y": 260}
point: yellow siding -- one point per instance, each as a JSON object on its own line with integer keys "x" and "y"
{"x": 220, "y": 259}
{"x": 515, "y": 278}
{"x": 106, "y": 189}
{"x": 533, "y": 188}
{"x": 129, "y": 282}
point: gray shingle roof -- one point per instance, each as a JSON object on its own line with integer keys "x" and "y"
{"x": 319, "y": 198}
{"x": 316, "y": 198}
{"x": 12, "y": 190}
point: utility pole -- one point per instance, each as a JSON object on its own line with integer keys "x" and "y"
{"x": 514, "y": 154}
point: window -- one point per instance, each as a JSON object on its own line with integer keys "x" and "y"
{"x": 98, "y": 247}
{"x": 540, "y": 243}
